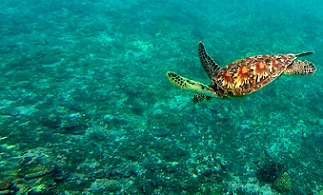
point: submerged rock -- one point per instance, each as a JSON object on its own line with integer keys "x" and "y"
{"x": 104, "y": 185}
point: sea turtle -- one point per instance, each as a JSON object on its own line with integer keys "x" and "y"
{"x": 243, "y": 76}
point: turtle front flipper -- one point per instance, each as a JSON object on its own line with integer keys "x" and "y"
{"x": 300, "y": 67}
{"x": 190, "y": 85}
{"x": 209, "y": 65}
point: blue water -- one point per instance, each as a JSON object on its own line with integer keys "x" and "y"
{"x": 86, "y": 108}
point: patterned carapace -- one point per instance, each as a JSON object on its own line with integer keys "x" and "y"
{"x": 252, "y": 73}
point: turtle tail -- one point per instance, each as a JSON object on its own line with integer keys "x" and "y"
{"x": 304, "y": 54}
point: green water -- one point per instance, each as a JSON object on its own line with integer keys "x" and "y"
{"x": 86, "y": 108}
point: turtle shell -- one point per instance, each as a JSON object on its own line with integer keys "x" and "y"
{"x": 247, "y": 75}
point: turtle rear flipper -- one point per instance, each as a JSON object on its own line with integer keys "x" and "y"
{"x": 200, "y": 98}
{"x": 190, "y": 85}
{"x": 300, "y": 67}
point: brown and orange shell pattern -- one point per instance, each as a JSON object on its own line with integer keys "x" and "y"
{"x": 247, "y": 75}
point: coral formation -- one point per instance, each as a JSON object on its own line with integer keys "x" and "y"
{"x": 85, "y": 107}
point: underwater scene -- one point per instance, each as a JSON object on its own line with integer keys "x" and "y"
{"x": 86, "y": 105}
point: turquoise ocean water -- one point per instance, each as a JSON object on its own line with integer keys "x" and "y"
{"x": 86, "y": 108}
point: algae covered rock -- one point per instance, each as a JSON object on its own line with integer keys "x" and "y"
{"x": 37, "y": 170}
{"x": 283, "y": 183}
{"x": 5, "y": 183}
{"x": 35, "y": 186}
{"x": 35, "y": 163}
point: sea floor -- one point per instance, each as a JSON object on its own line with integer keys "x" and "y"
{"x": 86, "y": 108}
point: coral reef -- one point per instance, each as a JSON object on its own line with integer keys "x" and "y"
{"x": 85, "y": 107}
